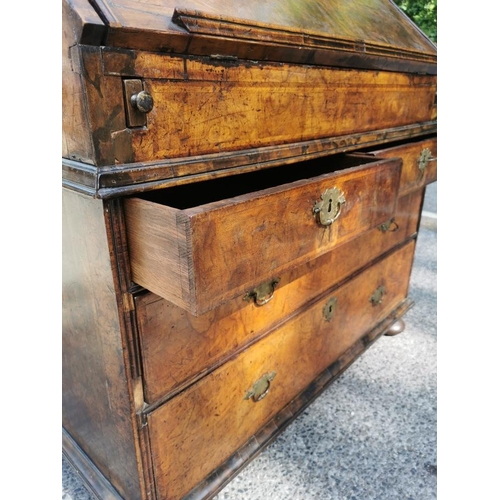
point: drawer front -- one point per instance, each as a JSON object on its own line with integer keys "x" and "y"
{"x": 419, "y": 163}
{"x": 202, "y": 256}
{"x": 197, "y": 430}
{"x": 205, "y": 107}
{"x": 178, "y": 347}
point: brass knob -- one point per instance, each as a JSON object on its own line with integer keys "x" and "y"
{"x": 143, "y": 101}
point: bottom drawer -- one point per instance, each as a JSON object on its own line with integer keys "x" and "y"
{"x": 199, "y": 429}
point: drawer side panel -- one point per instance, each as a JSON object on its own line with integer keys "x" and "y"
{"x": 159, "y": 249}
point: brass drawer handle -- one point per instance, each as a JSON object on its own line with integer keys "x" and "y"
{"x": 424, "y": 159}
{"x": 328, "y": 209}
{"x": 262, "y": 294}
{"x": 391, "y": 226}
{"x": 260, "y": 389}
{"x": 377, "y": 296}
{"x": 329, "y": 309}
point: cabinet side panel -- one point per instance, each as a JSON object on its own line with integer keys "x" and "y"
{"x": 96, "y": 406}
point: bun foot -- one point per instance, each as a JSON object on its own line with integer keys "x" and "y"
{"x": 396, "y": 328}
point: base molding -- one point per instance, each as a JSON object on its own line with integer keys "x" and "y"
{"x": 92, "y": 477}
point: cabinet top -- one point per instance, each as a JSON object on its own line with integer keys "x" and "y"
{"x": 374, "y": 34}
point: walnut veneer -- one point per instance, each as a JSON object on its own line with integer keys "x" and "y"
{"x": 242, "y": 189}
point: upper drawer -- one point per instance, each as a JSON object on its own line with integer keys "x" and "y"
{"x": 419, "y": 163}
{"x": 201, "y": 244}
{"x": 204, "y": 107}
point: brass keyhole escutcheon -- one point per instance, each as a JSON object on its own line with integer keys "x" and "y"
{"x": 328, "y": 209}
{"x": 377, "y": 296}
{"x": 260, "y": 388}
{"x": 262, "y": 294}
{"x": 329, "y": 309}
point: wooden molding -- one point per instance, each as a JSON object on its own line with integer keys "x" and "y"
{"x": 119, "y": 180}
{"x": 202, "y": 23}
{"x": 91, "y": 476}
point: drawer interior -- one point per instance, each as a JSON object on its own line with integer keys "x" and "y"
{"x": 201, "y": 193}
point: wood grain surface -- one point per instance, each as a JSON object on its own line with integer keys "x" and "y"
{"x": 285, "y": 30}
{"x": 197, "y": 430}
{"x": 203, "y": 106}
{"x": 220, "y": 248}
{"x": 178, "y": 347}
{"x": 411, "y": 176}
{"x": 96, "y": 410}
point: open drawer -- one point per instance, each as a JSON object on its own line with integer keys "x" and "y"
{"x": 201, "y": 244}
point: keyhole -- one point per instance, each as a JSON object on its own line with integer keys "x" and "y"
{"x": 330, "y": 205}
{"x": 330, "y": 309}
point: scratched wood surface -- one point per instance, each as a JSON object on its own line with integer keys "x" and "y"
{"x": 207, "y": 104}
{"x": 198, "y": 429}
{"x": 204, "y": 106}
{"x": 220, "y": 248}
{"x": 192, "y": 345}
{"x": 217, "y": 108}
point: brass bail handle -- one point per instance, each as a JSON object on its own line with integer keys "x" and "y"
{"x": 260, "y": 388}
{"x": 377, "y": 296}
{"x": 329, "y": 207}
{"x": 262, "y": 294}
{"x": 391, "y": 226}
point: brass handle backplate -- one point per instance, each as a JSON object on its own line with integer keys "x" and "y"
{"x": 424, "y": 158}
{"x": 260, "y": 389}
{"x": 262, "y": 294}
{"x": 377, "y": 296}
{"x": 390, "y": 226}
{"x": 328, "y": 209}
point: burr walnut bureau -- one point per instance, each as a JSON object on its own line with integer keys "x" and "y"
{"x": 242, "y": 190}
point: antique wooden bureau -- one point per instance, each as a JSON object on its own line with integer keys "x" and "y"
{"x": 242, "y": 189}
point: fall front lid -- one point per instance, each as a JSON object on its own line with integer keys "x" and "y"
{"x": 372, "y": 34}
